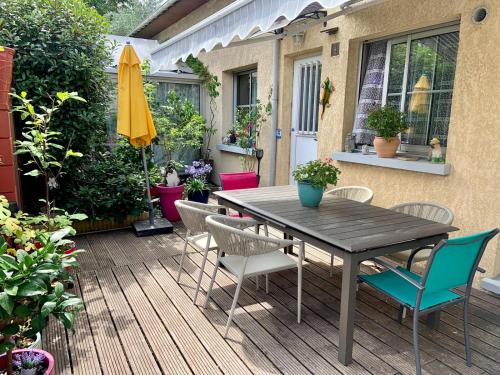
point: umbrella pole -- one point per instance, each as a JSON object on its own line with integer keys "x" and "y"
{"x": 146, "y": 174}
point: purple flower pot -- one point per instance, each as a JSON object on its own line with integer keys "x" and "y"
{"x": 49, "y": 360}
{"x": 168, "y": 195}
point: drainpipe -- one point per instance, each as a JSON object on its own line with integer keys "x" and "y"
{"x": 274, "y": 113}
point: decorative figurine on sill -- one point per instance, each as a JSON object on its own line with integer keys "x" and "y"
{"x": 435, "y": 152}
{"x": 365, "y": 150}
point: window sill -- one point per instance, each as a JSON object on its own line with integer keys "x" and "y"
{"x": 233, "y": 149}
{"x": 421, "y": 165}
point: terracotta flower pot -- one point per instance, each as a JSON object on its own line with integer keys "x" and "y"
{"x": 386, "y": 149}
{"x": 6, "y": 64}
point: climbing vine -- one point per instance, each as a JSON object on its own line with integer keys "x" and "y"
{"x": 211, "y": 84}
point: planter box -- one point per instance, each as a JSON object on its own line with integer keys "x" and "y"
{"x": 87, "y": 226}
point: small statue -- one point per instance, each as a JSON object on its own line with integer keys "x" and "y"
{"x": 172, "y": 178}
{"x": 435, "y": 152}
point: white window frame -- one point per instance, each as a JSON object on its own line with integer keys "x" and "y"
{"x": 408, "y": 38}
{"x": 235, "y": 90}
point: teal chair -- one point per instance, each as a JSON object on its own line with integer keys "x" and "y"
{"x": 452, "y": 263}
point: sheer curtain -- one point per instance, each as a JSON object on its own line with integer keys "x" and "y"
{"x": 370, "y": 96}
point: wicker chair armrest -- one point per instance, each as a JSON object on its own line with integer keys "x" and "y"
{"x": 404, "y": 276}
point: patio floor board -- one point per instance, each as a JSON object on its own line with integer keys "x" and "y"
{"x": 138, "y": 320}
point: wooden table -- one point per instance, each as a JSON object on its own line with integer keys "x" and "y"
{"x": 347, "y": 229}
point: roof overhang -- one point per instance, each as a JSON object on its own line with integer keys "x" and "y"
{"x": 244, "y": 20}
{"x": 166, "y": 15}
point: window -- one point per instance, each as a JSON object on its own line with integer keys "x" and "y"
{"x": 245, "y": 90}
{"x": 414, "y": 73}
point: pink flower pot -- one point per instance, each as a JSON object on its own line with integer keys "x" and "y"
{"x": 168, "y": 195}
{"x": 49, "y": 360}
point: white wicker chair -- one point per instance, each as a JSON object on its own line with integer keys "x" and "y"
{"x": 423, "y": 210}
{"x": 193, "y": 216}
{"x": 356, "y": 193}
{"x": 250, "y": 254}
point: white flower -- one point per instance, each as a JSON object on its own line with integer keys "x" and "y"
{"x": 52, "y": 183}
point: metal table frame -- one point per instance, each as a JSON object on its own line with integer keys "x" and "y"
{"x": 350, "y": 270}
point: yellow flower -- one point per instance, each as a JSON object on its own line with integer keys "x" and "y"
{"x": 11, "y": 251}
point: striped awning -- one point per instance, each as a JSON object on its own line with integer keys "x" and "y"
{"x": 236, "y": 22}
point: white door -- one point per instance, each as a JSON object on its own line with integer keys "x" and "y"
{"x": 305, "y": 111}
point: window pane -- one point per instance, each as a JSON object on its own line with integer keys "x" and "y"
{"x": 397, "y": 68}
{"x": 430, "y": 84}
{"x": 243, "y": 89}
{"x": 394, "y": 100}
{"x": 184, "y": 91}
{"x": 446, "y": 61}
{"x": 253, "y": 88}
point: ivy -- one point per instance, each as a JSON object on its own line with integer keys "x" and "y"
{"x": 211, "y": 83}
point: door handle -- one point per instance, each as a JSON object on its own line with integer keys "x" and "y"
{"x": 316, "y": 139}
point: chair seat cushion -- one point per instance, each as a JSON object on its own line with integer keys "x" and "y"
{"x": 402, "y": 291}
{"x": 405, "y": 255}
{"x": 259, "y": 264}
{"x": 200, "y": 241}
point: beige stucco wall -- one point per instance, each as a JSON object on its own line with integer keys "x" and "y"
{"x": 472, "y": 188}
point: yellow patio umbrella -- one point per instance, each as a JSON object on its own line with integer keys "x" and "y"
{"x": 134, "y": 118}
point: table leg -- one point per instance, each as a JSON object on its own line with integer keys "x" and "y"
{"x": 347, "y": 308}
{"x": 288, "y": 249}
{"x": 433, "y": 319}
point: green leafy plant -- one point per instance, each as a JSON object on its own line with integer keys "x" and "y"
{"x": 32, "y": 282}
{"x": 61, "y": 45}
{"x": 42, "y": 144}
{"x": 179, "y": 125}
{"x": 129, "y": 14}
{"x": 318, "y": 173}
{"x": 387, "y": 122}
{"x": 194, "y": 185}
{"x": 247, "y": 129}
{"x": 111, "y": 184}
{"x": 211, "y": 83}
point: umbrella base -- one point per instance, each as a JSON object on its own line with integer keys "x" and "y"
{"x": 160, "y": 226}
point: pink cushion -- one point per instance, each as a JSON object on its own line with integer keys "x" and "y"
{"x": 240, "y": 180}
{"x": 238, "y": 215}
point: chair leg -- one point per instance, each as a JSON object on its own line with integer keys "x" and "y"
{"x": 266, "y": 230}
{"x": 209, "y": 291}
{"x": 257, "y": 286}
{"x": 299, "y": 282}
{"x": 332, "y": 258}
{"x": 415, "y": 343}
{"x": 235, "y": 301}
{"x": 402, "y": 309}
{"x": 267, "y": 283}
{"x": 468, "y": 354}
{"x": 182, "y": 257}
{"x": 202, "y": 268}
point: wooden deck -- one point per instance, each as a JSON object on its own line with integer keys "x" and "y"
{"x": 138, "y": 320}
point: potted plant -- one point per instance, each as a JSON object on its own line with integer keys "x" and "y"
{"x": 388, "y": 123}
{"x": 32, "y": 282}
{"x": 6, "y": 65}
{"x": 32, "y": 362}
{"x": 179, "y": 126}
{"x": 247, "y": 127}
{"x": 312, "y": 179}
{"x": 196, "y": 190}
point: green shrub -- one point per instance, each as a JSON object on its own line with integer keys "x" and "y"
{"x": 61, "y": 46}
{"x": 129, "y": 14}
{"x": 110, "y": 184}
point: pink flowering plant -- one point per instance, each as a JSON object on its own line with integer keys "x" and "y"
{"x": 318, "y": 173}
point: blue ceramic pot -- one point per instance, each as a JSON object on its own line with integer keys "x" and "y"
{"x": 309, "y": 195}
